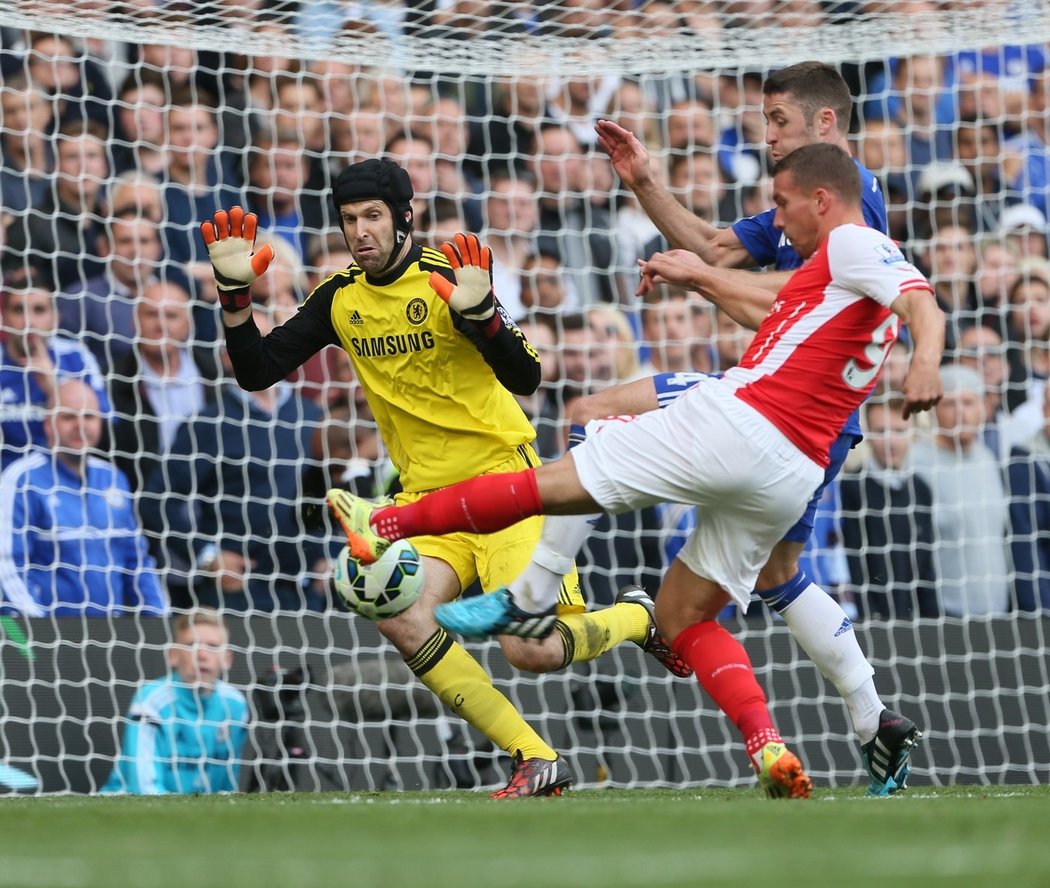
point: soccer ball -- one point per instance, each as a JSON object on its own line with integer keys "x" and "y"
{"x": 383, "y": 589}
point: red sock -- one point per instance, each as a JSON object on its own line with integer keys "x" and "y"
{"x": 480, "y": 505}
{"x": 724, "y": 670}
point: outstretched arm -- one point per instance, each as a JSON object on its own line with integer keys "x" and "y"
{"x": 733, "y": 290}
{"x": 716, "y": 246}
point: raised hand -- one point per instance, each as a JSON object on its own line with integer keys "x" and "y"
{"x": 471, "y": 263}
{"x": 230, "y": 239}
{"x": 627, "y": 154}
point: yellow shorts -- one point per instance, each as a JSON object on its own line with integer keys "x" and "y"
{"x": 497, "y": 558}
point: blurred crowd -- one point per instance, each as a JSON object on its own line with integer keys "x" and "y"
{"x": 111, "y": 153}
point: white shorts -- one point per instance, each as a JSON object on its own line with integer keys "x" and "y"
{"x": 712, "y": 450}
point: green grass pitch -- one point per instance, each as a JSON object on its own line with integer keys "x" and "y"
{"x": 961, "y": 836}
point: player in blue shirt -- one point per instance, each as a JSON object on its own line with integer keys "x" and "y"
{"x": 184, "y": 733}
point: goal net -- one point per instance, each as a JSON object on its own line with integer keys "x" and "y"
{"x": 125, "y": 124}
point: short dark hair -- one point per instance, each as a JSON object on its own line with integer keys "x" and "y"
{"x": 892, "y": 403}
{"x": 823, "y": 166}
{"x": 76, "y": 128}
{"x": 812, "y": 86}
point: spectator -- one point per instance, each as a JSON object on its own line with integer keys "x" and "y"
{"x": 887, "y": 522}
{"x": 741, "y": 145}
{"x": 996, "y": 274}
{"x": 982, "y": 349}
{"x": 919, "y": 81}
{"x": 969, "y": 500}
{"x": 1023, "y": 227}
{"x": 950, "y": 259}
{"x": 139, "y": 137}
{"x": 977, "y": 150}
{"x": 357, "y": 136}
{"x": 570, "y": 226}
{"x": 541, "y": 406}
{"x": 299, "y": 108}
{"x": 70, "y": 544}
{"x": 731, "y": 340}
{"x": 690, "y": 127}
{"x": 237, "y": 538}
{"x": 612, "y": 331}
{"x": 254, "y": 90}
{"x": 1025, "y": 169}
{"x": 184, "y": 733}
{"x": 277, "y": 174}
{"x": 881, "y": 148}
{"x": 175, "y": 64}
{"x": 1028, "y": 334}
{"x": 510, "y": 226}
{"x": 631, "y": 108}
{"x": 198, "y": 181}
{"x": 76, "y": 86}
{"x": 576, "y": 102}
{"x": 32, "y": 361}
{"x": 101, "y": 312}
{"x": 26, "y": 155}
{"x": 326, "y": 253}
{"x": 1029, "y": 477}
{"x": 134, "y": 191}
{"x": 504, "y": 136}
{"x": 697, "y": 182}
{"x": 944, "y": 198}
{"x": 585, "y": 365}
{"x": 668, "y": 330}
{"x": 416, "y": 154}
{"x": 161, "y": 382}
{"x": 545, "y": 290}
{"x": 58, "y": 238}
{"x": 445, "y": 125}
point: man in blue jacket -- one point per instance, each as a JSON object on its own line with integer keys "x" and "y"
{"x": 70, "y": 542}
{"x": 185, "y": 731}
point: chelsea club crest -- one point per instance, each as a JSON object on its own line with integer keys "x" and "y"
{"x": 416, "y": 311}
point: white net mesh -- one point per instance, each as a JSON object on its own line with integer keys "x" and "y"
{"x": 125, "y": 124}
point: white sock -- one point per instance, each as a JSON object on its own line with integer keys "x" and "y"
{"x": 865, "y": 707}
{"x": 536, "y": 588}
{"x": 825, "y": 633}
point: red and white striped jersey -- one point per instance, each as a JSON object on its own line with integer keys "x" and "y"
{"x": 819, "y": 351}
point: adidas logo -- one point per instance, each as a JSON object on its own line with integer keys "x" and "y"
{"x": 844, "y": 628}
{"x": 355, "y": 318}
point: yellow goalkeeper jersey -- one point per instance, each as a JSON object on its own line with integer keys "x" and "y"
{"x": 437, "y": 386}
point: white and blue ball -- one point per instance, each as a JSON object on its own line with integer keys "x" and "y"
{"x": 384, "y": 589}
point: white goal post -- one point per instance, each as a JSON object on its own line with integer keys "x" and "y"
{"x": 460, "y": 92}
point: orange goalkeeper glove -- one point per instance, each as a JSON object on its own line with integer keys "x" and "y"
{"x": 230, "y": 239}
{"x": 471, "y": 295}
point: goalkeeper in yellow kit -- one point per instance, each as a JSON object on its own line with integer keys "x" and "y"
{"x": 438, "y": 360}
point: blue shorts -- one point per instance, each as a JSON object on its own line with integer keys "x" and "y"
{"x": 672, "y": 385}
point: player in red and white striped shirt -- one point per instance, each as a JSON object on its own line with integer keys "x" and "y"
{"x": 748, "y": 448}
